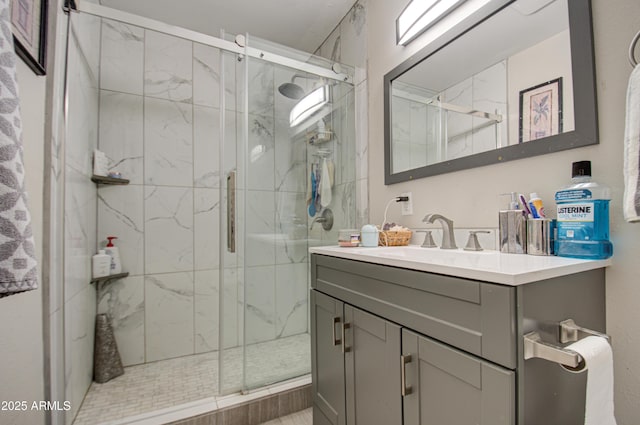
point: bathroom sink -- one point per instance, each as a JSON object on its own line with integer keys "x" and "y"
{"x": 487, "y": 265}
{"x": 418, "y": 253}
{"x": 486, "y": 260}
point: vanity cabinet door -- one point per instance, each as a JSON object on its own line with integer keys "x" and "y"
{"x": 446, "y": 386}
{"x": 372, "y": 355}
{"x": 327, "y": 360}
{"x": 355, "y": 358}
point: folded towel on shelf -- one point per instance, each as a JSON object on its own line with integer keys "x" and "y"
{"x": 631, "y": 200}
{"x": 18, "y": 272}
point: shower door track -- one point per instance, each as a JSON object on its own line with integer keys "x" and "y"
{"x": 147, "y": 23}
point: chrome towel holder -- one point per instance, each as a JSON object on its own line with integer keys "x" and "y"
{"x": 535, "y": 347}
{"x": 632, "y": 48}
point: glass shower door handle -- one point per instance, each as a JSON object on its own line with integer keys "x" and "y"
{"x": 231, "y": 211}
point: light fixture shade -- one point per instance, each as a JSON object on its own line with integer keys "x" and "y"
{"x": 419, "y": 15}
{"x": 309, "y": 105}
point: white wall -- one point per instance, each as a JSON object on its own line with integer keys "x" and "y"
{"x": 21, "y": 350}
{"x": 475, "y": 201}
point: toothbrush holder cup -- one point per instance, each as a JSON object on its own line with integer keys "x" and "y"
{"x": 540, "y": 236}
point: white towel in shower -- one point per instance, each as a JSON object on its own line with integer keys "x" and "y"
{"x": 18, "y": 271}
{"x": 325, "y": 185}
{"x": 631, "y": 201}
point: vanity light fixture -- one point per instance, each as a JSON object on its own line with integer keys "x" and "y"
{"x": 309, "y": 105}
{"x": 419, "y": 15}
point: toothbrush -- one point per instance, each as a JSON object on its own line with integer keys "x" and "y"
{"x": 525, "y": 205}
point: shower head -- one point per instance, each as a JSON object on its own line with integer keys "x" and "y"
{"x": 291, "y": 90}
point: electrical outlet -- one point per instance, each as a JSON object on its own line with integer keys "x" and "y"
{"x": 407, "y": 206}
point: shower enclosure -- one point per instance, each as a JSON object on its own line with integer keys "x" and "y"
{"x": 220, "y": 208}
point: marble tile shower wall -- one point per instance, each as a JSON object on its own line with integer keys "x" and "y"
{"x": 413, "y": 124}
{"x": 343, "y": 152}
{"x": 80, "y": 209}
{"x": 159, "y": 123}
{"x": 347, "y": 44}
{"x": 487, "y": 92}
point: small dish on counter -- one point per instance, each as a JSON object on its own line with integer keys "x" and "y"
{"x": 349, "y": 238}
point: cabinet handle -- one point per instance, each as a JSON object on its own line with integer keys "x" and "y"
{"x": 345, "y": 349}
{"x": 335, "y": 341}
{"x": 403, "y": 374}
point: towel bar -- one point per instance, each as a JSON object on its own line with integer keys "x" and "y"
{"x": 535, "y": 347}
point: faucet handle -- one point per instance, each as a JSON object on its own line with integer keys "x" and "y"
{"x": 428, "y": 239}
{"x": 472, "y": 243}
{"x": 326, "y": 219}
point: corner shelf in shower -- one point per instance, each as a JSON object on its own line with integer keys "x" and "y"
{"x": 105, "y": 279}
{"x": 108, "y": 180}
{"x": 316, "y": 138}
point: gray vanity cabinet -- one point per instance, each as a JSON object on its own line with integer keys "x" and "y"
{"x": 395, "y": 346}
{"x": 445, "y": 386}
{"x": 355, "y": 365}
{"x": 369, "y": 327}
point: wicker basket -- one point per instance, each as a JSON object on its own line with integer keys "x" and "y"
{"x": 394, "y": 238}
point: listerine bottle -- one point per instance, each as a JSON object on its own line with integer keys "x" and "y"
{"x": 583, "y": 216}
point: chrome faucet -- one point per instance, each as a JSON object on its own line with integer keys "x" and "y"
{"x": 448, "y": 239}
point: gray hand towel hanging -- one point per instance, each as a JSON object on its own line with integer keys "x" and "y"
{"x": 18, "y": 272}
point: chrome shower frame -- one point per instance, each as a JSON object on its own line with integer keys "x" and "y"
{"x": 335, "y": 73}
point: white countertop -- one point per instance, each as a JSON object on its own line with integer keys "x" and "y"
{"x": 488, "y": 266}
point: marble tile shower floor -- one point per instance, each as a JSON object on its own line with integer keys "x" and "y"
{"x": 168, "y": 383}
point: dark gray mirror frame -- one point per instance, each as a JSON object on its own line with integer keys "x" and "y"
{"x": 584, "y": 98}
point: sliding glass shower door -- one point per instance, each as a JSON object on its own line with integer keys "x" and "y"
{"x": 279, "y": 142}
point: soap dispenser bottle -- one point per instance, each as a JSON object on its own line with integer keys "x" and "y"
{"x": 512, "y": 224}
{"x": 100, "y": 264}
{"x": 113, "y": 252}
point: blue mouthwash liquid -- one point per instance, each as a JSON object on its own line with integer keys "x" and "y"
{"x": 583, "y": 217}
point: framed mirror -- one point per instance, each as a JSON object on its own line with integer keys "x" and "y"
{"x": 517, "y": 82}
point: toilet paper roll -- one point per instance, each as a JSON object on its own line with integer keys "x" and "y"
{"x": 598, "y": 357}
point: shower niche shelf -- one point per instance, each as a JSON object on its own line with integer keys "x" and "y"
{"x": 106, "y": 279}
{"x": 108, "y": 180}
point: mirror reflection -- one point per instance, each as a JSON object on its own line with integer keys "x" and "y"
{"x": 507, "y": 81}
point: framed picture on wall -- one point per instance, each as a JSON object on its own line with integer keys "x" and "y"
{"x": 541, "y": 111}
{"x": 29, "y": 27}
